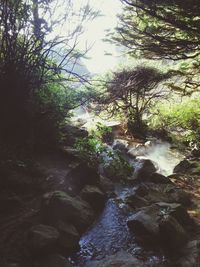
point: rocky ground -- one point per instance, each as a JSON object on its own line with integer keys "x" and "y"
{"x": 48, "y": 203}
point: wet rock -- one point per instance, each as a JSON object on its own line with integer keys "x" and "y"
{"x": 159, "y": 179}
{"x": 42, "y": 239}
{"x": 144, "y": 224}
{"x": 180, "y": 196}
{"x": 120, "y": 145}
{"x": 183, "y": 167}
{"x": 190, "y": 255}
{"x": 72, "y": 133}
{"x": 94, "y": 196}
{"x": 58, "y": 205}
{"x": 69, "y": 236}
{"x": 144, "y": 170}
{"x": 172, "y": 233}
{"x": 136, "y": 201}
{"x": 54, "y": 260}
{"x": 82, "y": 175}
{"x": 106, "y": 185}
{"x": 161, "y": 223}
{"x": 120, "y": 259}
{"x": 177, "y": 211}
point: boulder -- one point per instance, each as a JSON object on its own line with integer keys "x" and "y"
{"x": 106, "y": 185}
{"x": 161, "y": 223}
{"x": 69, "y": 236}
{"x": 120, "y": 259}
{"x": 42, "y": 239}
{"x": 54, "y": 260}
{"x": 82, "y": 175}
{"x": 183, "y": 167}
{"x": 172, "y": 233}
{"x": 94, "y": 196}
{"x": 136, "y": 201}
{"x": 144, "y": 170}
{"x": 144, "y": 224}
{"x": 58, "y": 205}
{"x": 190, "y": 255}
{"x": 72, "y": 133}
{"x": 159, "y": 178}
{"x": 120, "y": 145}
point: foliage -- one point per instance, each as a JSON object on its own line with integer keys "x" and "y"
{"x": 132, "y": 92}
{"x": 103, "y": 133}
{"x": 181, "y": 119}
{"x": 36, "y": 70}
{"x": 166, "y": 30}
{"x": 118, "y": 168}
{"x": 92, "y": 151}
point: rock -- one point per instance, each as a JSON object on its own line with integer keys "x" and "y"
{"x": 72, "y": 133}
{"x": 180, "y": 196}
{"x": 106, "y": 185}
{"x": 161, "y": 223}
{"x": 144, "y": 170}
{"x": 42, "y": 239}
{"x": 120, "y": 145}
{"x": 136, "y": 201}
{"x": 172, "y": 233}
{"x": 58, "y": 205}
{"x": 159, "y": 178}
{"x": 69, "y": 236}
{"x": 120, "y": 259}
{"x": 82, "y": 175}
{"x": 183, "y": 167}
{"x": 54, "y": 260}
{"x": 94, "y": 196}
{"x": 144, "y": 224}
{"x": 190, "y": 255}
{"x": 177, "y": 211}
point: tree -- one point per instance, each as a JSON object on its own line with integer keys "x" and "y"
{"x": 163, "y": 29}
{"x": 31, "y": 60}
{"x": 133, "y": 92}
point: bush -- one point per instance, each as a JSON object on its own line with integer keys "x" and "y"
{"x": 182, "y": 119}
{"x": 92, "y": 151}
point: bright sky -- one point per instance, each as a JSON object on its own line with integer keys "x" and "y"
{"x": 99, "y": 62}
{"x": 95, "y": 31}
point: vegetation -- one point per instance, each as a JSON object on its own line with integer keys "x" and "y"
{"x": 181, "y": 120}
{"x": 35, "y": 90}
{"x": 132, "y": 92}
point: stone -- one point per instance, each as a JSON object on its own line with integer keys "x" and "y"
{"x": 144, "y": 170}
{"x": 172, "y": 233}
{"x": 42, "y": 239}
{"x": 183, "y": 167}
{"x": 72, "y": 133}
{"x": 69, "y": 236}
{"x": 82, "y": 175}
{"x": 136, "y": 201}
{"x": 54, "y": 260}
{"x": 94, "y": 196}
{"x": 120, "y": 259}
{"x": 144, "y": 224}
{"x": 190, "y": 255}
{"x": 159, "y": 178}
{"x": 58, "y": 205}
{"x": 106, "y": 185}
{"x": 161, "y": 223}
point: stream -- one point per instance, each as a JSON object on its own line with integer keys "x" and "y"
{"x": 109, "y": 234}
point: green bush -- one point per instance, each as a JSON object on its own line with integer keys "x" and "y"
{"x": 92, "y": 151}
{"x": 181, "y": 119}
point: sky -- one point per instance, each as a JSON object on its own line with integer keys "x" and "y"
{"x": 98, "y": 61}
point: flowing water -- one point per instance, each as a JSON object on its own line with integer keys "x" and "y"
{"x": 110, "y": 234}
